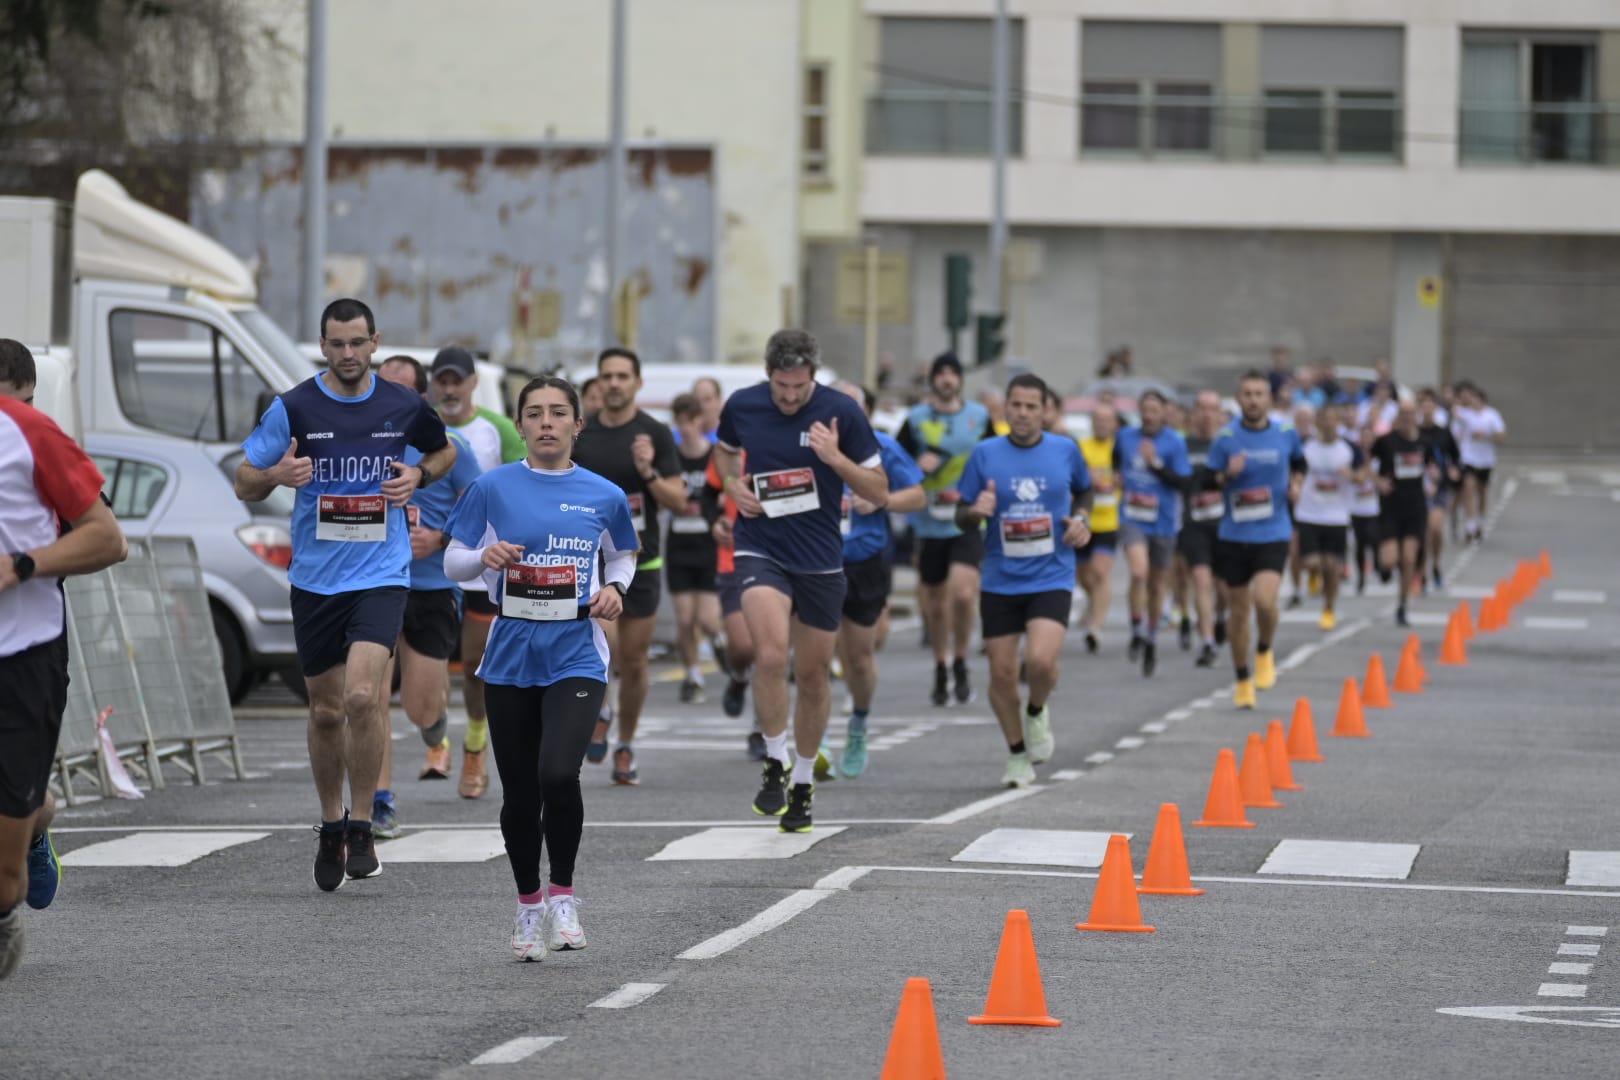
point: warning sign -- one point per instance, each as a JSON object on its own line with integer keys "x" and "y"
{"x": 1429, "y": 291}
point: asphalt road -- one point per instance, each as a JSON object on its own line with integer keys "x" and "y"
{"x": 1465, "y": 805}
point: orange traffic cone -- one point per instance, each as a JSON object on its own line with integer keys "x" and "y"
{"x": 1350, "y": 723}
{"x": 1452, "y": 651}
{"x": 1546, "y": 564}
{"x": 914, "y": 1052}
{"x": 1487, "y": 615}
{"x": 1254, "y": 777}
{"x": 1282, "y": 777}
{"x": 1374, "y": 690}
{"x": 1166, "y": 872}
{"x": 1115, "y": 906}
{"x": 1016, "y": 996}
{"x": 1415, "y": 648}
{"x": 1465, "y": 622}
{"x": 1302, "y": 734}
{"x": 1224, "y": 807}
{"x": 1407, "y": 680}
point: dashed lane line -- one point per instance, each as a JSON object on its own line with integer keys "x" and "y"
{"x": 628, "y": 996}
{"x": 973, "y": 809}
{"x": 777, "y": 914}
{"x": 515, "y": 1050}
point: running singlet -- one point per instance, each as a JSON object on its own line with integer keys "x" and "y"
{"x": 430, "y": 508}
{"x": 1147, "y": 502}
{"x": 952, "y": 435}
{"x": 867, "y": 534}
{"x": 1473, "y": 429}
{"x": 561, "y": 519}
{"x": 606, "y": 452}
{"x": 345, "y": 535}
{"x": 1407, "y": 461}
{"x": 1325, "y": 497}
{"x": 690, "y": 541}
{"x": 1036, "y": 487}
{"x": 802, "y": 496}
{"x": 1206, "y": 503}
{"x": 1099, "y": 455}
{"x": 1257, "y": 499}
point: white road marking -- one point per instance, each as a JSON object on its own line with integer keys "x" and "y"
{"x": 1580, "y": 596}
{"x": 1602, "y": 1016}
{"x": 1574, "y": 948}
{"x": 1593, "y": 868}
{"x": 1468, "y": 592}
{"x": 1546, "y": 622}
{"x": 1177, "y": 715}
{"x": 444, "y": 846}
{"x": 152, "y": 848}
{"x": 1570, "y": 969}
{"x": 1565, "y": 990}
{"x": 741, "y": 843}
{"x": 627, "y": 996}
{"x": 1201, "y": 703}
{"x": 1427, "y": 618}
{"x": 1036, "y": 847}
{"x": 1546, "y": 476}
{"x": 1338, "y": 858}
{"x": 707, "y": 746}
{"x": 1587, "y": 931}
{"x": 1101, "y": 757}
{"x": 1155, "y": 727}
{"x": 515, "y": 1050}
{"x": 777, "y": 914}
{"x": 418, "y": 827}
{"x": 1067, "y": 774}
{"x": 1130, "y": 742}
{"x": 973, "y": 809}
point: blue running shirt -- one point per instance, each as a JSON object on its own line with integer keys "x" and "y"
{"x": 867, "y": 534}
{"x": 1257, "y": 500}
{"x": 1147, "y": 501}
{"x": 803, "y": 495}
{"x": 431, "y": 507}
{"x": 561, "y": 519}
{"x": 952, "y": 435}
{"x": 345, "y": 536}
{"x": 1036, "y": 487}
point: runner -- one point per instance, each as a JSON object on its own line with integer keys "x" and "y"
{"x": 1304, "y": 422}
{"x": 869, "y": 575}
{"x": 633, "y": 450}
{"x": 1205, "y": 505}
{"x": 1153, "y": 463}
{"x": 1442, "y": 490}
{"x": 590, "y": 397}
{"x": 339, "y": 438}
{"x": 1258, "y": 461}
{"x": 432, "y": 621}
{"x": 739, "y": 645}
{"x": 1405, "y": 462}
{"x": 938, "y": 434}
{"x": 1364, "y": 513}
{"x": 1479, "y": 430}
{"x": 1053, "y": 422}
{"x": 804, "y": 443}
{"x": 1033, "y": 490}
{"x": 689, "y": 550}
{"x": 711, "y": 398}
{"x": 1322, "y": 513}
{"x": 495, "y": 442}
{"x": 46, "y": 481}
{"x": 534, "y": 530}
{"x": 1096, "y": 559}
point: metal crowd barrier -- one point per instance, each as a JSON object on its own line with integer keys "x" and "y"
{"x": 141, "y": 642}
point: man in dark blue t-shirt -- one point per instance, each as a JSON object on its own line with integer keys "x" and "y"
{"x": 804, "y": 443}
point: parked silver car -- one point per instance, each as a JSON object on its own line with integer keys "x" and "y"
{"x": 161, "y": 486}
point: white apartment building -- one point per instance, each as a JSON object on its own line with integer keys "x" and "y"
{"x": 1437, "y": 181}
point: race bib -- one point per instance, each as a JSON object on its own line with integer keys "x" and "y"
{"x": 1207, "y": 506}
{"x": 1409, "y": 466}
{"x": 1252, "y": 504}
{"x": 541, "y": 593}
{"x": 1141, "y": 506}
{"x": 351, "y": 519}
{"x": 413, "y": 516}
{"x": 843, "y": 517}
{"x": 638, "y": 516}
{"x": 787, "y": 492}
{"x": 1026, "y": 538}
{"x": 1327, "y": 485}
{"x": 942, "y": 504}
{"x": 689, "y": 522}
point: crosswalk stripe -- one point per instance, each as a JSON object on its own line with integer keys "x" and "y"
{"x": 1546, "y": 622}
{"x": 444, "y": 846}
{"x": 157, "y": 849}
{"x": 1580, "y": 596}
{"x": 1593, "y": 868}
{"x": 1037, "y": 847}
{"x": 742, "y": 843}
{"x": 1341, "y": 858}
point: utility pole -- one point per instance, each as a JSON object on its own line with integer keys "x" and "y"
{"x": 312, "y": 283}
{"x": 616, "y": 177}
{"x": 999, "y": 78}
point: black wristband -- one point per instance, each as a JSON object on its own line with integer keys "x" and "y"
{"x": 427, "y": 476}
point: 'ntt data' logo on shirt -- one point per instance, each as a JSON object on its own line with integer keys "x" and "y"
{"x": 565, "y": 507}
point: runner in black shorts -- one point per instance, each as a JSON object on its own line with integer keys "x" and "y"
{"x": 1405, "y": 461}
{"x": 689, "y": 551}
{"x": 1202, "y": 509}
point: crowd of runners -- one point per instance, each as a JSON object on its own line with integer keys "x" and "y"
{"x": 538, "y": 550}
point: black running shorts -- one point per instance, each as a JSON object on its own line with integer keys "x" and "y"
{"x": 1001, "y": 614}
{"x": 325, "y": 626}
{"x": 641, "y": 599}
{"x": 1403, "y": 518}
{"x": 818, "y": 599}
{"x": 682, "y": 578}
{"x": 1326, "y": 540}
{"x": 432, "y": 624}
{"x": 936, "y": 554}
{"x": 33, "y": 693}
{"x": 1237, "y": 564}
{"x": 1197, "y": 541}
{"x": 867, "y": 594}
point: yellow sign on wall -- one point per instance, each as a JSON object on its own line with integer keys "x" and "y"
{"x": 1429, "y": 291}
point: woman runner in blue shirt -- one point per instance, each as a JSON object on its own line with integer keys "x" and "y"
{"x": 533, "y": 530}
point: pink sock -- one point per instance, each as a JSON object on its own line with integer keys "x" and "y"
{"x": 532, "y": 898}
{"x": 562, "y": 890}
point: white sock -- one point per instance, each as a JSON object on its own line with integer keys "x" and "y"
{"x": 804, "y": 770}
{"x": 693, "y": 674}
{"x": 776, "y": 747}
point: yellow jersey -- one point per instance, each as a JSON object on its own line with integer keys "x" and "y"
{"x": 1099, "y": 455}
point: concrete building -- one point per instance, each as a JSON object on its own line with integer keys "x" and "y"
{"x": 1432, "y": 180}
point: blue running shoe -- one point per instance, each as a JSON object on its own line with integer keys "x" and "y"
{"x": 44, "y": 872}
{"x": 853, "y": 761}
{"x": 384, "y": 821}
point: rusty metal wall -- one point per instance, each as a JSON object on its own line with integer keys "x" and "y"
{"x": 437, "y": 238}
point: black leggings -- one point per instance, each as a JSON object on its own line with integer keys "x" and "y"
{"x": 539, "y": 734}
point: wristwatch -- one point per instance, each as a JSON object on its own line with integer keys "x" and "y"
{"x": 427, "y": 476}
{"x": 620, "y": 587}
{"x": 22, "y": 564}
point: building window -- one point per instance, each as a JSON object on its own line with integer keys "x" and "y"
{"x": 1331, "y": 91}
{"x": 1294, "y": 122}
{"x": 814, "y": 151}
{"x": 1148, "y": 88}
{"x": 934, "y": 87}
{"x": 1529, "y": 98}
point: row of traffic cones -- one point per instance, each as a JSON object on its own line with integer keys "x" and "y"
{"x": 1016, "y": 995}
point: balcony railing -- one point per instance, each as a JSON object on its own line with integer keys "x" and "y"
{"x": 1282, "y": 124}
{"x": 943, "y": 122}
{"x": 1572, "y": 132}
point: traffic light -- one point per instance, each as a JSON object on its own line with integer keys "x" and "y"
{"x": 989, "y": 343}
{"x": 958, "y": 292}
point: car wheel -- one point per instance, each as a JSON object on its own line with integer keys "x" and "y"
{"x": 239, "y": 678}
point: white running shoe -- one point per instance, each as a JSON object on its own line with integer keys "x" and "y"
{"x": 526, "y": 936}
{"x": 1020, "y": 773}
{"x": 1038, "y": 738}
{"x": 563, "y": 932}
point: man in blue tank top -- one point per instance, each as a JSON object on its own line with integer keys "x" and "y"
{"x": 340, "y": 438}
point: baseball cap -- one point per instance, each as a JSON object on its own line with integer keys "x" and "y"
{"x": 453, "y": 358}
{"x": 943, "y": 361}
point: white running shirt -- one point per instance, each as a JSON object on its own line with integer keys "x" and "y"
{"x": 1473, "y": 429}
{"x": 1325, "y": 497}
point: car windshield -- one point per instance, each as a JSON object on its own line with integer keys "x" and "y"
{"x": 279, "y": 503}
{"x": 293, "y": 363}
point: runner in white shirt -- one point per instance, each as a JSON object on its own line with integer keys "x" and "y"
{"x": 1322, "y": 515}
{"x": 1478, "y": 429}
